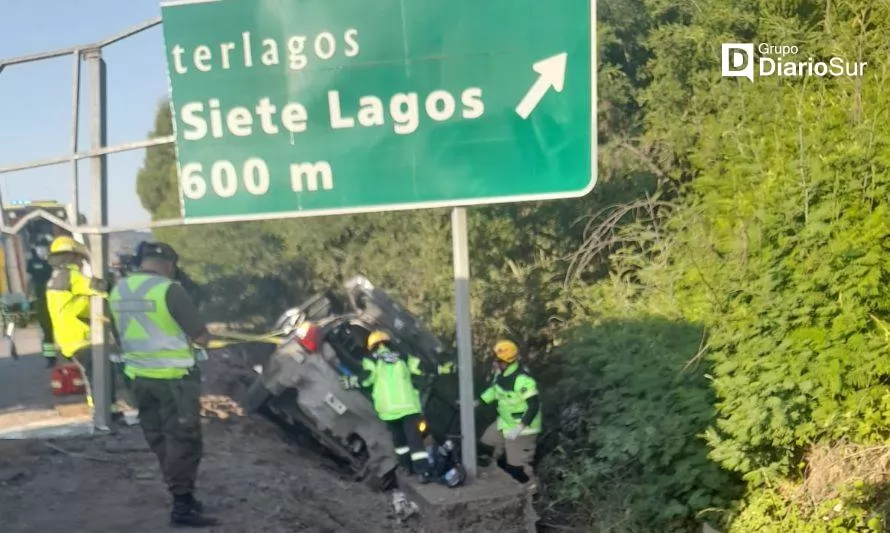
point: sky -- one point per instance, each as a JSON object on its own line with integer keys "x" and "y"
{"x": 36, "y": 98}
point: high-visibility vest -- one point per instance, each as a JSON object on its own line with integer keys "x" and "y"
{"x": 392, "y": 390}
{"x": 511, "y": 390}
{"x": 68, "y": 303}
{"x": 153, "y": 344}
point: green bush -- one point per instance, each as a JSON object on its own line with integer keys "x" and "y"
{"x": 769, "y": 511}
{"x": 625, "y": 453}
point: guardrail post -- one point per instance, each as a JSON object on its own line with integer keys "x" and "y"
{"x": 101, "y": 383}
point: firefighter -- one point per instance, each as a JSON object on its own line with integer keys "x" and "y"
{"x": 515, "y": 432}
{"x": 68, "y": 303}
{"x": 157, "y": 323}
{"x": 40, "y": 272}
{"x": 389, "y": 375}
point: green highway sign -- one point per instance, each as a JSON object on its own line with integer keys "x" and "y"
{"x": 311, "y": 107}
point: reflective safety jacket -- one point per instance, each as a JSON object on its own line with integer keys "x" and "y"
{"x": 511, "y": 390}
{"x": 153, "y": 344}
{"x": 68, "y": 302}
{"x": 389, "y": 376}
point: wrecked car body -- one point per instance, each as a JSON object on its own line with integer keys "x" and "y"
{"x": 300, "y": 383}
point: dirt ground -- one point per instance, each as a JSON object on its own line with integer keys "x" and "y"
{"x": 25, "y": 393}
{"x": 254, "y": 478}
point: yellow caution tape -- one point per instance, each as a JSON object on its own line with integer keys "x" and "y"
{"x": 228, "y": 338}
{"x": 265, "y": 337}
{"x": 214, "y": 345}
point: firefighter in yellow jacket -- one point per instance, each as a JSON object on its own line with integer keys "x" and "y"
{"x": 68, "y": 301}
{"x": 389, "y": 375}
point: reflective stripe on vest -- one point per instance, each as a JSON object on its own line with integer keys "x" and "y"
{"x": 163, "y": 344}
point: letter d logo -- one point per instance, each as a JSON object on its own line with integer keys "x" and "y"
{"x": 737, "y": 60}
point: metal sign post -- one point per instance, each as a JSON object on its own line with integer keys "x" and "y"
{"x": 461, "y": 250}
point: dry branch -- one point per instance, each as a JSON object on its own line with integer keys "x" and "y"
{"x": 603, "y": 233}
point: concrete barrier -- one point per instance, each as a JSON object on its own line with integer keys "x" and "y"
{"x": 49, "y": 429}
{"x": 492, "y": 502}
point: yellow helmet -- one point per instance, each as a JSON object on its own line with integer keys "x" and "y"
{"x": 506, "y": 351}
{"x": 65, "y": 244}
{"x": 376, "y": 337}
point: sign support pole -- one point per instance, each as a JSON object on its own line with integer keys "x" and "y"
{"x": 460, "y": 246}
{"x": 101, "y": 382}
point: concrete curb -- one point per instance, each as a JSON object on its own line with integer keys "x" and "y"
{"x": 51, "y": 429}
{"x": 467, "y": 509}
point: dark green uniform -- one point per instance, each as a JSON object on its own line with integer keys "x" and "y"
{"x": 154, "y": 319}
{"x": 40, "y": 272}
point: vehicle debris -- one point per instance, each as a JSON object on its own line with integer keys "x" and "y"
{"x": 403, "y": 508}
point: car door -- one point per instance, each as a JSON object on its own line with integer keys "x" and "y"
{"x": 313, "y": 309}
{"x": 379, "y": 310}
{"x": 349, "y": 340}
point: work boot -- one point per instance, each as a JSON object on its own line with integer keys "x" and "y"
{"x": 190, "y": 499}
{"x": 405, "y": 465}
{"x": 189, "y": 512}
{"x": 424, "y": 470}
{"x": 197, "y": 504}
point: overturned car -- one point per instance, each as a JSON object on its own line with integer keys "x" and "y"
{"x": 299, "y": 382}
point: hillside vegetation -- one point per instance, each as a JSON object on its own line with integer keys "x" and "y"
{"x": 711, "y": 325}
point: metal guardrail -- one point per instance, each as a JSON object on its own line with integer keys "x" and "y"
{"x": 91, "y": 54}
{"x": 77, "y": 156}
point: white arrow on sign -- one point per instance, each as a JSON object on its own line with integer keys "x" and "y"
{"x": 552, "y": 73}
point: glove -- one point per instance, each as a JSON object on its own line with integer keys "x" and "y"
{"x": 446, "y": 368}
{"x": 98, "y": 285}
{"x": 513, "y": 434}
{"x": 349, "y": 382}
